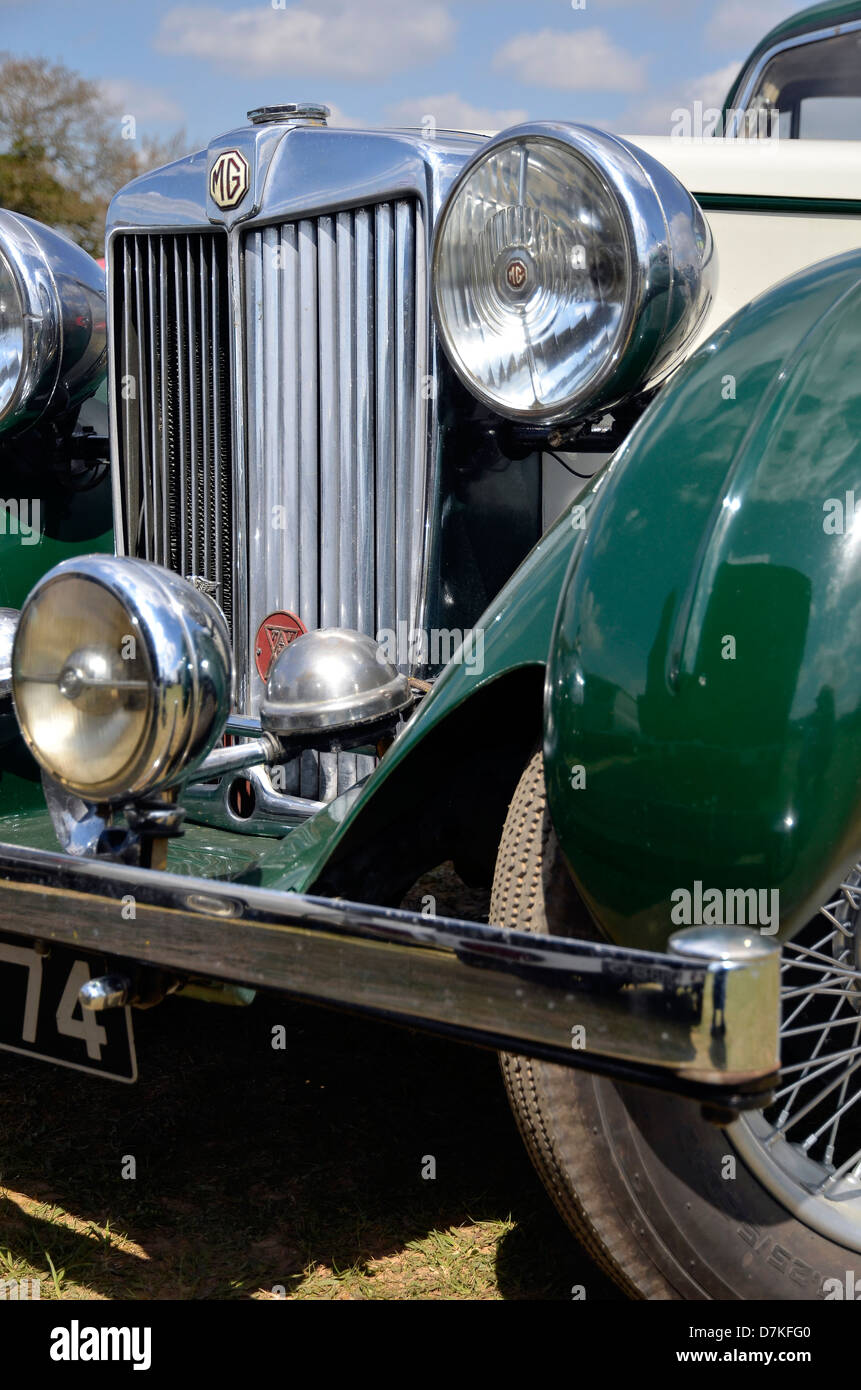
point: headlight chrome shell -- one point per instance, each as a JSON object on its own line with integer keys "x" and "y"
{"x": 121, "y": 676}
{"x": 52, "y": 322}
{"x": 569, "y": 270}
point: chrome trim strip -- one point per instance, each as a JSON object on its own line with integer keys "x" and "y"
{"x": 241, "y": 533}
{"x": 680, "y": 1022}
{"x": 814, "y": 36}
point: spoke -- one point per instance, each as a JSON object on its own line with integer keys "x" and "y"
{"x": 829, "y": 1057}
{"x": 812, "y": 1138}
{"x": 801, "y": 1006}
{"x": 817, "y": 1027}
{"x": 832, "y": 1138}
{"x": 843, "y": 991}
{"x": 805, "y": 1080}
{"x": 844, "y": 971}
{"x": 811, "y": 1104}
{"x": 784, "y": 1114}
{"x": 814, "y": 950}
{"x": 809, "y": 951}
{"x": 841, "y": 926}
{"x": 831, "y": 1178}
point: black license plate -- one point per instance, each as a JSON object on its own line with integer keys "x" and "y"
{"x": 40, "y": 1015}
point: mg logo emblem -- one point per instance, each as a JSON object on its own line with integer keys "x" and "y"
{"x": 516, "y": 274}
{"x": 229, "y": 179}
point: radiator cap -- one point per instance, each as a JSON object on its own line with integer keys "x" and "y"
{"x": 292, "y": 112}
{"x": 329, "y": 681}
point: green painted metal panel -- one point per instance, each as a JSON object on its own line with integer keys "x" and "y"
{"x": 706, "y": 663}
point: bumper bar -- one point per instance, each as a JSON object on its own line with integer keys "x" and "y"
{"x": 701, "y": 1021}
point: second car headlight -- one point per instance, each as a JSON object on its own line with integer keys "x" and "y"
{"x": 52, "y": 323}
{"x": 569, "y": 269}
{"x": 121, "y": 676}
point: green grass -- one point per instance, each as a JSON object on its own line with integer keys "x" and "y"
{"x": 261, "y": 1170}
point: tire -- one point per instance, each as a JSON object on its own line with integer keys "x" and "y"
{"x": 642, "y": 1180}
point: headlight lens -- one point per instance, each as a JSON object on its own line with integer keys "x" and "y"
{"x": 11, "y": 336}
{"x": 121, "y": 676}
{"x": 564, "y": 263}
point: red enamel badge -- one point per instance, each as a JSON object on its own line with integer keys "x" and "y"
{"x": 275, "y": 633}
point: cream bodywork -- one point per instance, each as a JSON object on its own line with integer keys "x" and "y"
{"x": 756, "y": 248}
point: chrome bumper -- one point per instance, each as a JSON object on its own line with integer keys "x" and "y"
{"x": 703, "y": 1023}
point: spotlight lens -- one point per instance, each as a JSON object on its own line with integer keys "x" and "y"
{"x": 83, "y": 685}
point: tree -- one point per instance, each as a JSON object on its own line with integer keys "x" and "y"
{"x": 62, "y": 148}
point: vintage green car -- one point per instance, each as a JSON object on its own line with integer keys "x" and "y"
{"x": 485, "y": 500}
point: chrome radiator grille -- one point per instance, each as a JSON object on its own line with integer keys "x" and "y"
{"x": 331, "y": 422}
{"x": 336, "y": 350}
{"x": 171, "y": 340}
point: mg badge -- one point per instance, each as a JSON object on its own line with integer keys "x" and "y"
{"x": 229, "y": 179}
{"x": 516, "y": 274}
{"x": 274, "y": 634}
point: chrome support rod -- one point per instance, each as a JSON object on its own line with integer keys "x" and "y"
{"x": 265, "y": 749}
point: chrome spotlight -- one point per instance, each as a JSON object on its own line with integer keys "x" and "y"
{"x": 121, "y": 676}
{"x": 332, "y": 683}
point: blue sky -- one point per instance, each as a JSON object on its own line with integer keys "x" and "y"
{"x": 476, "y": 64}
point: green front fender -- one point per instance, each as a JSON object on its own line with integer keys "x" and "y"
{"x": 703, "y": 699}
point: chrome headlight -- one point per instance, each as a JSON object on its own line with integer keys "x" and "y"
{"x": 52, "y": 322}
{"x": 121, "y": 675}
{"x": 569, "y": 269}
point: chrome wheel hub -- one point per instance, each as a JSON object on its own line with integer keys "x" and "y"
{"x": 805, "y": 1148}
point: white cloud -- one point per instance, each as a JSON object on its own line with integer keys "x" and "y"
{"x": 587, "y": 61}
{"x": 654, "y": 117}
{"x": 327, "y": 38}
{"x": 453, "y": 112}
{"x": 340, "y": 118}
{"x": 138, "y": 99}
{"x": 740, "y": 24}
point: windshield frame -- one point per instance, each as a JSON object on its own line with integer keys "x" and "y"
{"x": 750, "y": 81}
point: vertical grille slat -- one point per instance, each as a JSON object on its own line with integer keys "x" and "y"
{"x": 141, "y": 387}
{"x": 174, "y": 525}
{"x": 171, "y": 335}
{"x": 306, "y": 365}
{"x": 386, "y": 549}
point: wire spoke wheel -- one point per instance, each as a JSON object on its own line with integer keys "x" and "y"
{"x": 805, "y": 1148}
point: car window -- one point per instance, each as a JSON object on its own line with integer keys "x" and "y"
{"x": 815, "y": 88}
